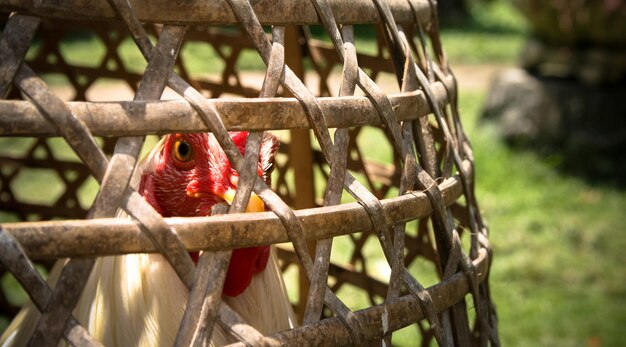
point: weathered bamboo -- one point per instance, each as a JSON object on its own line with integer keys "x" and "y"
{"x": 107, "y": 236}
{"x": 380, "y": 319}
{"x": 217, "y": 12}
{"x": 128, "y": 118}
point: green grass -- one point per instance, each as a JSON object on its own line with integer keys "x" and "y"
{"x": 557, "y": 275}
{"x": 495, "y": 34}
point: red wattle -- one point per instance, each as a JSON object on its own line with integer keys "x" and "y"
{"x": 194, "y": 257}
{"x": 244, "y": 263}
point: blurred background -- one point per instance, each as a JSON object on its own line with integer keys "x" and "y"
{"x": 542, "y": 90}
{"x": 542, "y": 95}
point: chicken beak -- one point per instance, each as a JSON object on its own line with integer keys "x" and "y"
{"x": 255, "y": 204}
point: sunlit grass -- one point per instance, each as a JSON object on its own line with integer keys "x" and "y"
{"x": 556, "y": 278}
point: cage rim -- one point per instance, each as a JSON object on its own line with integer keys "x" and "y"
{"x": 218, "y": 12}
{"x": 115, "y": 236}
{"x": 124, "y": 118}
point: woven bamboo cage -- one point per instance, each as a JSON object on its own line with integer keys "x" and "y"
{"x": 418, "y": 211}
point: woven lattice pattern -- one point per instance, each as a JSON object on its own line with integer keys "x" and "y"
{"x": 419, "y": 208}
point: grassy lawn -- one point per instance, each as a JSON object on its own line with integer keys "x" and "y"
{"x": 494, "y": 35}
{"x": 557, "y": 241}
{"x": 556, "y": 277}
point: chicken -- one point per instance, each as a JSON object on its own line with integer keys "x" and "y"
{"x": 137, "y": 299}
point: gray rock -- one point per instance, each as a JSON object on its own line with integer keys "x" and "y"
{"x": 553, "y": 111}
{"x": 584, "y": 125}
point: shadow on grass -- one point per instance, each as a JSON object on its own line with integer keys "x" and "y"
{"x": 598, "y": 167}
{"x": 579, "y": 127}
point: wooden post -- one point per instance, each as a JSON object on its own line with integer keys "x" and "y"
{"x": 301, "y": 156}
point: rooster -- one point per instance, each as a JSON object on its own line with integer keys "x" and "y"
{"x": 137, "y": 299}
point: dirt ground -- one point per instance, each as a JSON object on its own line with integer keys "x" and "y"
{"x": 476, "y": 77}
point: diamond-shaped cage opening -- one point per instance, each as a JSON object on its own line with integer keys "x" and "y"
{"x": 291, "y": 275}
{"x": 9, "y": 217}
{"x": 376, "y": 265}
{"x": 200, "y": 59}
{"x": 61, "y": 150}
{"x": 131, "y": 56}
{"x": 34, "y": 49}
{"x": 425, "y": 271}
{"x": 248, "y": 60}
{"x": 355, "y": 297}
{"x": 375, "y": 160}
{"x": 15, "y": 147}
{"x": 13, "y": 291}
{"x": 408, "y": 335}
{"x": 365, "y": 39}
{"x": 26, "y": 186}
{"x": 5, "y": 195}
{"x": 109, "y": 89}
{"x": 15, "y": 294}
{"x": 282, "y": 177}
{"x": 342, "y": 250}
{"x": 87, "y": 192}
{"x": 465, "y": 236}
{"x": 82, "y": 48}
{"x": 61, "y": 84}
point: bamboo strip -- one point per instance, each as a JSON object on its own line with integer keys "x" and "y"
{"x": 380, "y": 319}
{"x": 108, "y": 236}
{"x": 217, "y": 12}
{"x": 129, "y": 118}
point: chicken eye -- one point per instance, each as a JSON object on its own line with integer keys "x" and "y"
{"x": 182, "y": 151}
